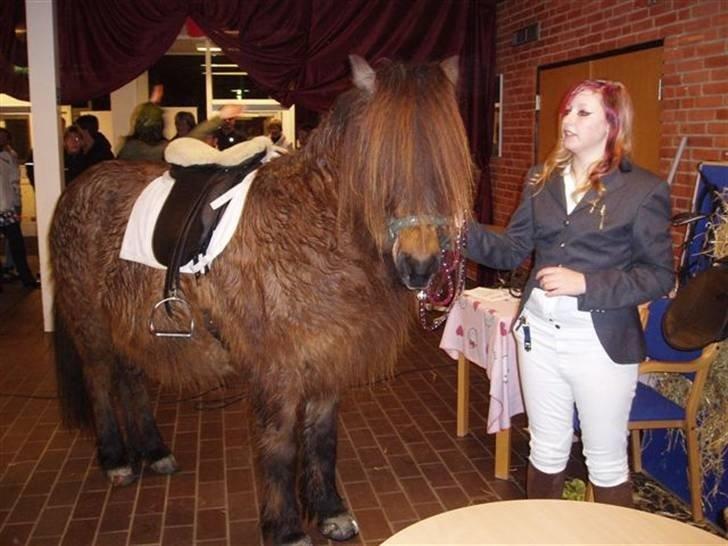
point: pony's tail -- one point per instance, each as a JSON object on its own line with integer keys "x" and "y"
{"x": 73, "y": 399}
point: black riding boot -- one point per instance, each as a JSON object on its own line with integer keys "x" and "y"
{"x": 540, "y": 485}
{"x": 619, "y": 495}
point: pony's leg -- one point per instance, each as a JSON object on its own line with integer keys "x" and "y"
{"x": 143, "y": 436}
{"x": 276, "y": 415}
{"x": 111, "y": 451}
{"x": 320, "y": 497}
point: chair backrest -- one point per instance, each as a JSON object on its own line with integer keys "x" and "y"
{"x": 657, "y": 347}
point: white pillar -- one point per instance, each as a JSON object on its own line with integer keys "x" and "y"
{"x": 46, "y": 128}
{"x": 123, "y": 102}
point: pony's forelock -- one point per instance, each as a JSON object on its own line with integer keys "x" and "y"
{"x": 401, "y": 151}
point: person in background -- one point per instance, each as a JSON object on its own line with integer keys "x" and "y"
{"x": 600, "y": 229}
{"x": 208, "y": 130}
{"x": 10, "y": 207}
{"x": 96, "y": 147}
{"x": 275, "y": 132}
{"x": 302, "y": 134}
{"x": 74, "y": 160}
{"x": 184, "y": 122}
{"x": 227, "y": 133}
{"x": 147, "y": 140}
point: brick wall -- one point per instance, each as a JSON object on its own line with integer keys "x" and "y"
{"x": 695, "y": 77}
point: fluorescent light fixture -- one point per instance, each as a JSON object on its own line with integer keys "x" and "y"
{"x": 202, "y": 47}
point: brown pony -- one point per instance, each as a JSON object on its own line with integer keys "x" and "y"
{"x": 306, "y": 299}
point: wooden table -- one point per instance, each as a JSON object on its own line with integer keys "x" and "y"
{"x": 478, "y": 331}
{"x": 550, "y": 522}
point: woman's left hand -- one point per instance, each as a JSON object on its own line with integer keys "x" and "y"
{"x": 561, "y": 281}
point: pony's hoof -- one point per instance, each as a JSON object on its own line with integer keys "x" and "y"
{"x": 341, "y": 527}
{"x": 300, "y": 540}
{"x": 123, "y": 475}
{"x": 165, "y": 465}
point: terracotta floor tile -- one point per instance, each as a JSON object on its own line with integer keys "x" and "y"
{"x": 242, "y": 506}
{"x": 452, "y": 497}
{"x": 211, "y": 524}
{"x": 211, "y": 495}
{"x": 80, "y": 532}
{"x": 116, "y": 517}
{"x": 180, "y": 511}
{"x": 52, "y": 521}
{"x": 383, "y": 481}
{"x": 397, "y": 507}
{"x": 15, "y": 533}
{"x": 245, "y": 532}
{"x": 179, "y": 536}
{"x": 404, "y": 466}
{"x": 27, "y": 509}
{"x": 427, "y": 509}
{"x": 373, "y": 524}
{"x": 89, "y": 505}
{"x": 151, "y": 500}
{"x": 146, "y": 529}
{"x": 360, "y": 495}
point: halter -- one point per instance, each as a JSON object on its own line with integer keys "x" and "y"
{"x": 395, "y": 225}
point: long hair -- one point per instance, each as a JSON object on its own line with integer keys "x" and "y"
{"x": 619, "y": 115}
{"x": 402, "y": 143}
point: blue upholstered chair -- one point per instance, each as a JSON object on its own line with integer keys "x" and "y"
{"x": 652, "y": 410}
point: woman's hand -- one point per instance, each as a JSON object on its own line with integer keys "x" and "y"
{"x": 561, "y": 281}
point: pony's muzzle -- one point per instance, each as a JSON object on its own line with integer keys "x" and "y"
{"x": 416, "y": 273}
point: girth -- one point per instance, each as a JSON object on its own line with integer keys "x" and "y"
{"x": 186, "y": 222}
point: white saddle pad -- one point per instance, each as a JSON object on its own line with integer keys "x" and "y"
{"x": 137, "y": 243}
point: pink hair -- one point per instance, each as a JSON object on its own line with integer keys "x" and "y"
{"x": 619, "y": 114}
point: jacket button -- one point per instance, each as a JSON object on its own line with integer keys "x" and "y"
{"x": 562, "y": 245}
{"x": 566, "y": 222}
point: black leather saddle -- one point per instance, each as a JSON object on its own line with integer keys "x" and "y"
{"x": 186, "y": 222}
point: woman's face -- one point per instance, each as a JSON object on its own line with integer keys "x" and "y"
{"x": 584, "y": 126}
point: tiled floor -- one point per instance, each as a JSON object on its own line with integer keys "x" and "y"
{"x": 399, "y": 458}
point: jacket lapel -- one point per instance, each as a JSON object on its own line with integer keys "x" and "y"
{"x": 555, "y": 188}
{"x": 611, "y": 182}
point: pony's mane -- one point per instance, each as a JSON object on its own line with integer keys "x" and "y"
{"x": 399, "y": 151}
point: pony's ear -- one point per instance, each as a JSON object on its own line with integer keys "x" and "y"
{"x": 450, "y": 68}
{"x": 363, "y": 75}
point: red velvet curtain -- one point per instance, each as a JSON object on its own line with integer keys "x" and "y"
{"x": 295, "y": 49}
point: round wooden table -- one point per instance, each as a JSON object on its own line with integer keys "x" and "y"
{"x": 550, "y": 522}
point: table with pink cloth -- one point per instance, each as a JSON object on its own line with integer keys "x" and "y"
{"x": 478, "y": 331}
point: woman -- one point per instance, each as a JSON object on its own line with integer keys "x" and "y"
{"x": 9, "y": 209}
{"x": 599, "y": 227}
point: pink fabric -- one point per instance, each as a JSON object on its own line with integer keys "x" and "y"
{"x": 479, "y": 326}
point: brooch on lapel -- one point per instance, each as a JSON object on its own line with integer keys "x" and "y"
{"x": 599, "y": 206}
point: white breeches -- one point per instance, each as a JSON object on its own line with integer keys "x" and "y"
{"x": 567, "y": 365}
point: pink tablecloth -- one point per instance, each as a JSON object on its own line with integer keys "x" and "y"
{"x": 479, "y": 327}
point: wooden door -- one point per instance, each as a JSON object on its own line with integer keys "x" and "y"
{"x": 639, "y": 71}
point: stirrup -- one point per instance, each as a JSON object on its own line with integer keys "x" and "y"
{"x": 171, "y": 333}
